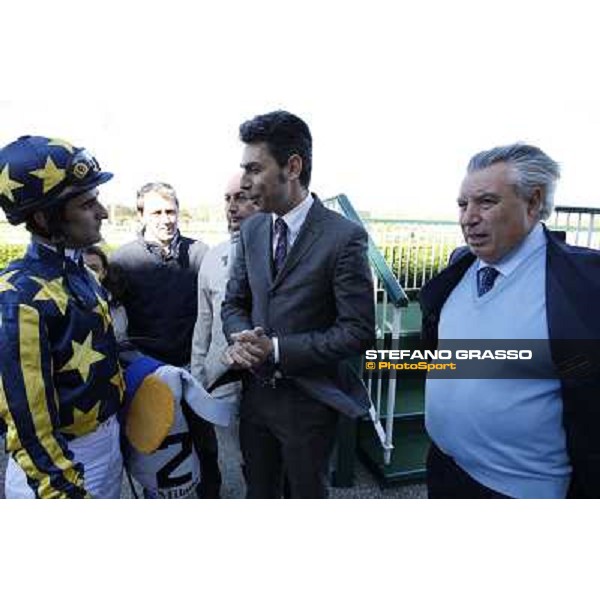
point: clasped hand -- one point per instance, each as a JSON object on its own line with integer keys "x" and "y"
{"x": 250, "y": 349}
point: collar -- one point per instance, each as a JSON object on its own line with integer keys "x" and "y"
{"x": 172, "y": 251}
{"x": 534, "y": 240}
{"x": 75, "y": 254}
{"x": 296, "y": 217}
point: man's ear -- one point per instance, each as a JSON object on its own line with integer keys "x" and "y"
{"x": 535, "y": 202}
{"x": 45, "y": 224}
{"x": 294, "y": 166}
{"x": 49, "y": 224}
{"x": 41, "y": 220}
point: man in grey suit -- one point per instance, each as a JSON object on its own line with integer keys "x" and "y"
{"x": 299, "y": 302}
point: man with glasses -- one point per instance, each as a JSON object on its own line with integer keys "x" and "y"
{"x": 209, "y": 343}
{"x": 60, "y": 382}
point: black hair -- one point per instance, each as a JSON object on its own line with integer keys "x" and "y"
{"x": 53, "y": 230}
{"x": 97, "y": 251}
{"x": 114, "y": 280}
{"x": 285, "y": 134}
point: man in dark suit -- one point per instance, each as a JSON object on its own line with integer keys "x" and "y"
{"x": 523, "y": 437}
{"x": 299, "y": 302}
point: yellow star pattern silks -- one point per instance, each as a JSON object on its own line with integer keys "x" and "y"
{"x": 62, "y": 143}
{"x": 5, "y": 285}
{"x": 60, "y": 374}
{"x": 51, "y": 175}
{"x": 103, "y": 311}
{"x": 7, "y": 185}
{"x": 53, "y": 290}
{"x": 119, "y": 381}
{"x": 83, "y": 422}
{"x": 84, "y": 356}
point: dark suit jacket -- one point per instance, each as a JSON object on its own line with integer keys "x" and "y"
{"x": 572, "y": 301}
{"x": 320, "y": 305}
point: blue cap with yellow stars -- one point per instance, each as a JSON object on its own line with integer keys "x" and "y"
{"x": 37, "y": 173}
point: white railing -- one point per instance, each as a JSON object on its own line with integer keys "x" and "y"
{"x": 415, "y": 250}
{"x": 581, "y": 225}
{"x": 418, "y": 250}
{"x": 388, "y": 324}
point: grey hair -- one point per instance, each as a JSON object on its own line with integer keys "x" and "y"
{"x": 164, "y": 189}
{"x": 532, "y": 167}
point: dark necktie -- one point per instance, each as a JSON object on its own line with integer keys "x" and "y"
{"x": 485, "y": 279}
{"x": 281, "y": 230}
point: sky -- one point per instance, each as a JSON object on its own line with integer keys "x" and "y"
{"x": 398, "y": 95}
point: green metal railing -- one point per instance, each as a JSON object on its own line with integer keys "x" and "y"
{"x": 390, "y": 284}
{"x": 390, "y": 298}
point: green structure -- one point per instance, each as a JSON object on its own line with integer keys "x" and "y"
{"x": 392, "y": 440}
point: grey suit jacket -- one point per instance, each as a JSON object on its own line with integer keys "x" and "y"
{"x": 320, "y": 305}
{"x": 208, "y": 341}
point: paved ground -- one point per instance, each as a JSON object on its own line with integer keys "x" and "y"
{"x": 365, "y": 485}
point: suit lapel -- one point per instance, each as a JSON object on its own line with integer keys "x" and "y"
{"x": 260, "y": 246}
{"x": 309, "y": 232}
